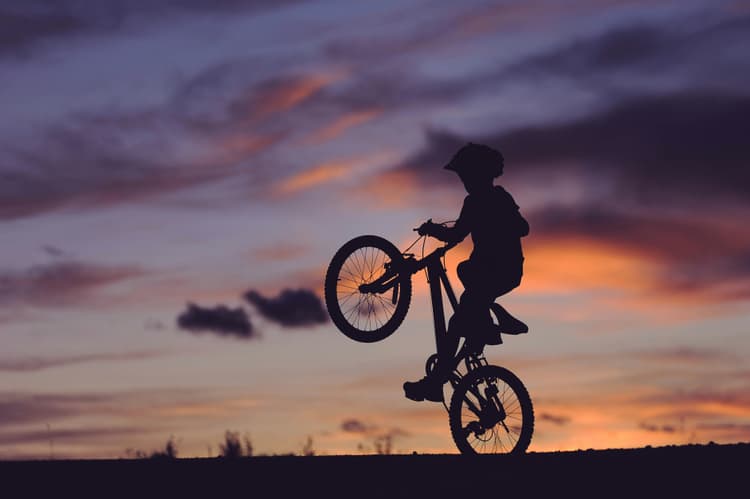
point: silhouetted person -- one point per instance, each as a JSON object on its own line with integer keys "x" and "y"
{"x": 494, "y": 268}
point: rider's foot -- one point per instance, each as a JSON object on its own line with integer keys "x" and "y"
{"x": 507, "y": 323}
{"x": 427, "y": 388}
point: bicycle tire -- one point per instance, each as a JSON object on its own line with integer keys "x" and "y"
{"x": 360, "y": 250}
{"x": 518, "y": 441}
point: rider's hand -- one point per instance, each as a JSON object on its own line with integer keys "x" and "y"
{"x": 426, "y": 228}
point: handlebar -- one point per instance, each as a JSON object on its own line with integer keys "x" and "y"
{"x": 442, "y": 249}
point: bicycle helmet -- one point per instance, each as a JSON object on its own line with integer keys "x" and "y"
{"x": 476, "y": 158}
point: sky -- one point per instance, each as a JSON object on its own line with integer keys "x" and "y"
{"x": 175, "y": 176}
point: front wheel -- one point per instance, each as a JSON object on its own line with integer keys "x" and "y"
{"x": 491, "y": 413}
{"x": 367, "y": 316}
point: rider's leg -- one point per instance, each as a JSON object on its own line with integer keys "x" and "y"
{"x": 506, "y": 282}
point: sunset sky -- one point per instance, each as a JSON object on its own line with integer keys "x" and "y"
{"x": 160, "y": 159}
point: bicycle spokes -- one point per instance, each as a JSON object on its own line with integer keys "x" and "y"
{"x": 491, "y": 416}
{"x": 365, "y": 310}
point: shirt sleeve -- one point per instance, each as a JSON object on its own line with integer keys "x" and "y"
{"x": 520, "y": 223}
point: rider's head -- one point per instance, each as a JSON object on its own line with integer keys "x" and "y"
{"x": 477, "y": 165}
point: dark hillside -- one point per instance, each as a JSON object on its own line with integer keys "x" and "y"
{"x": 685, "y": 471}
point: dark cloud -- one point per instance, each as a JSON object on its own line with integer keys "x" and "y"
{"x": 291, "y": 308}
{"x": 353, "y": 425}
{"x": 53, "y": 251}
{"x": 658, "y": 428}
{"x": 675, "y": 237}
{"x": 697, "y": 46}
{"x": 697, "y": 255}
{"x": 719, "y": 400}
{"x": 61, "y": 283}
{"x": 33, "y": 364}
{"x": 43, "y": 408}
{"x": 221, "y": 320}
{"x": 28, "y": 23}
{"x": 68, "y": 435}
{"x": 687, "y": 355}
{"x": 115, "y": 156}
{"x": 652, "y": 147}
{"x": 89, "y": 163}
{"x": 554, "y": 419}
{"x": 19, "y": 28}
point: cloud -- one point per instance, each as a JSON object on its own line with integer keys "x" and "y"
{"x": 553, "y": 418}
{"x": 314, "y": 176}
{"x": 68, "y": 435}
{"x": 113, "y": 157}
{"x": 61, "y": 283}
{"x": 280, "y": 251}
{"x": 26, "y": 24}
{"x": 87, "y": 164}
{"x": 695, "y": 255}
{"x": 19, "y": 29}
{"x": 342, "y": 124}
{"x": 53, "y": 251}
{"x": 652, "y": 147}
{"x": 32, "y": 408}
{"x": 33, "y": 364}
{"x": 687, "y": 355}
{"x": 698, "y": 47}
{"x": 221, "y": 320}
{"x": 353, "y": 425}
{"x": 291, "y": 308}
{"x": 654, "y": 428}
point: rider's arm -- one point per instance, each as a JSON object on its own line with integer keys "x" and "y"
{"x": 454, "y": 234}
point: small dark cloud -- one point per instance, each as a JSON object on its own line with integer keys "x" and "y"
{"x": 353, "y": 425}
{"x": 154, "y": 325}
{"x": 60, "y": 283}
{"x": 33, "y": 364}
{"x": 220, "y": 320}
{"x": 68, "y": 435}
{"x": 554, "y": 418}
{"x": 655, "y": 428}
{"x": 33, "y": 408}
{"x": 19, "y": 28}
{"x": 53, "y": 251}
{"x": 291, "y": 308}
{"x": 723, "y": 400}
{"x": 687, "y": 355}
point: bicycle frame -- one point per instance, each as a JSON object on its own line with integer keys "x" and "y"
{"x": 437, "y": 278}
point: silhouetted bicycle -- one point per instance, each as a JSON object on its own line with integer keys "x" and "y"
{"x": 368, "y": 291}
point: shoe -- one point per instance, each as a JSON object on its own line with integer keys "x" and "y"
{"x": 424, "y": 389}
{"x": 507, "y": 323}
{"x": 514, "y": 326}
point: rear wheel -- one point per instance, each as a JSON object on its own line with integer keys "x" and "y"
{"x": 491, "y": 413}
{"x": 366, "y": 317}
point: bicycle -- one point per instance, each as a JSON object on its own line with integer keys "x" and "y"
{"x": 368, "y": 292}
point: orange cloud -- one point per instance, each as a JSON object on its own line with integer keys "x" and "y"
{"x": 315, "y": 176}
{"x": 342, "y": 124}
{"x": 243, "y": 144}
{"x": 389, "y": 190}
{"x": 279, "y": 252}
{"x": 285, "y": 96}
{"x": 565, "y": 265}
